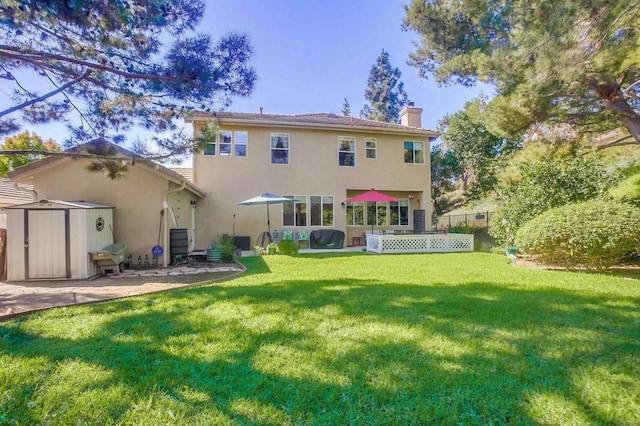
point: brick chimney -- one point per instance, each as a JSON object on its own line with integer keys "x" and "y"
{"x": 411, "y": 116}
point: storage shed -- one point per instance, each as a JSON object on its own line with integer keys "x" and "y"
{"x": 52, "y": 239}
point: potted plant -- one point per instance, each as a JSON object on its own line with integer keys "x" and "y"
{"x": 272, "y": 248}
{"x": 214, "y": 253}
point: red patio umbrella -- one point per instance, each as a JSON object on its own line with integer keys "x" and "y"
{"x": 374, "y": 197}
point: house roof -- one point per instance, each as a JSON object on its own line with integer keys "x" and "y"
{"x": 30, "y": 169}
{"x": 9, "y": 194}
{"x": 310, "y": 121}
{"x": 185, "y": 172}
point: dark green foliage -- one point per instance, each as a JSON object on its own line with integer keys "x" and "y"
{"x": 575, "y": 61}
{"x": 444, "y": 173}
{"x": 545, "y": 184}
{"x": 594, "y": 234}
{"x": 117, "y": 65}
{"x": 385, "y": 92}
{"x": 478, "y": 153}
{"x": 462, "y": 229}
{"x": 228, "y": 248}
{"x": 288, "y": 247}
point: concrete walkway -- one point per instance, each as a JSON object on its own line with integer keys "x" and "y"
{"x": 18, "y": 298}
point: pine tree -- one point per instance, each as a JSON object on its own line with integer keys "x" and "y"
{"x": 566, "y": 61}
{"x": 385, "y": 92}
{"x": 346, "y": 108}
{"x": 116, "y": 65}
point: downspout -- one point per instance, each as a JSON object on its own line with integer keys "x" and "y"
{"x": 193, "y": 226}
{"x": 165, "y": 206}
{"x": 34, "y": 194}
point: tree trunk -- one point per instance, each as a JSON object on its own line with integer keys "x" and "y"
{"x": 616, "y": 102}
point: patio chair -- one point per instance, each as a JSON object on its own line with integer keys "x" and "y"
{"x": 302, "y": 236}
{"x": 287, "y": 235}
{"x": 276, "y": 236}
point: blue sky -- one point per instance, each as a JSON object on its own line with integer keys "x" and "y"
{"x": 311, "y": 54}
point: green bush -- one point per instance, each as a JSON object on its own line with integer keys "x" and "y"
{"x": 287, "y": 247}
{"x": 462, "y": 229}
{"x": 546, "y": 184}
{"x": 228, "y": 247}
{"x": 594, "y": 234}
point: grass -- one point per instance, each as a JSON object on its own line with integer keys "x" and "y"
{"x": 338, "y": 339}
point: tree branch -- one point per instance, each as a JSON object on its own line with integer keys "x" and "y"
{"x": 48, "y": 95}
{"x": 618, "y": 142}
{"x": 37, "y": 56}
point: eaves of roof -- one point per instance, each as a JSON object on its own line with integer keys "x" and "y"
{"x": 320, "y": 121}
{"x": 35, "y": 167}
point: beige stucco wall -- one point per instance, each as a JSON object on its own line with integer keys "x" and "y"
{"x": 312, "y": 170}
{"x": 138, "y": 199}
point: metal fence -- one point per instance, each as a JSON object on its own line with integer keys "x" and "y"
{"x": 474, "y": 220}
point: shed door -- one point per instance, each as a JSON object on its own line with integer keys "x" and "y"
{"x": 47, "y": 244}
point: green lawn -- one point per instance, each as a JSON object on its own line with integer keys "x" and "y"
{"x": 338, "y": 339}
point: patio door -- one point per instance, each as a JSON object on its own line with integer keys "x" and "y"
{"x": 46, "y": 244}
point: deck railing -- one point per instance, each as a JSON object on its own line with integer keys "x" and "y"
{"x": 419, "y": 243}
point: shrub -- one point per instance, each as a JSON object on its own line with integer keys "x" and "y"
{"x": 462, "y": 229}
{"x": 287, "y": 247}
{"x": 595, "y": 234}
{"x": 545, "y": 184}
{"x": 228, "y": 248}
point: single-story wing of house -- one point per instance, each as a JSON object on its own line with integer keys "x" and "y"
{"x": 148, "y": 201}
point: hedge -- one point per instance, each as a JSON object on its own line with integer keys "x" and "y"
{"x": 593, "y": 234}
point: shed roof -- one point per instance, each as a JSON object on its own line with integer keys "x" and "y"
{"x": 48, "y": 204}
{"x": 9, "y": 194}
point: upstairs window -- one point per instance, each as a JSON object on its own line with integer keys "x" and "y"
{"x": 211, "y": 148}
{"x": 279, "y": 148}
{"x": 414, "y": 152}
{"x": 347, "y": 152}
{"x": 225, "y": 143}
{"x": 371, "y": 148}
{"x": 240, "y": 144}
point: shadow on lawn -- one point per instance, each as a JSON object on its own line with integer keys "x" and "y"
{"x": 347, "y": 351}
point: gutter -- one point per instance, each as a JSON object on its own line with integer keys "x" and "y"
{"x": 316, "y": 126}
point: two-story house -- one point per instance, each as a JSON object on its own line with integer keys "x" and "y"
{"x": 319, "y": 161}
